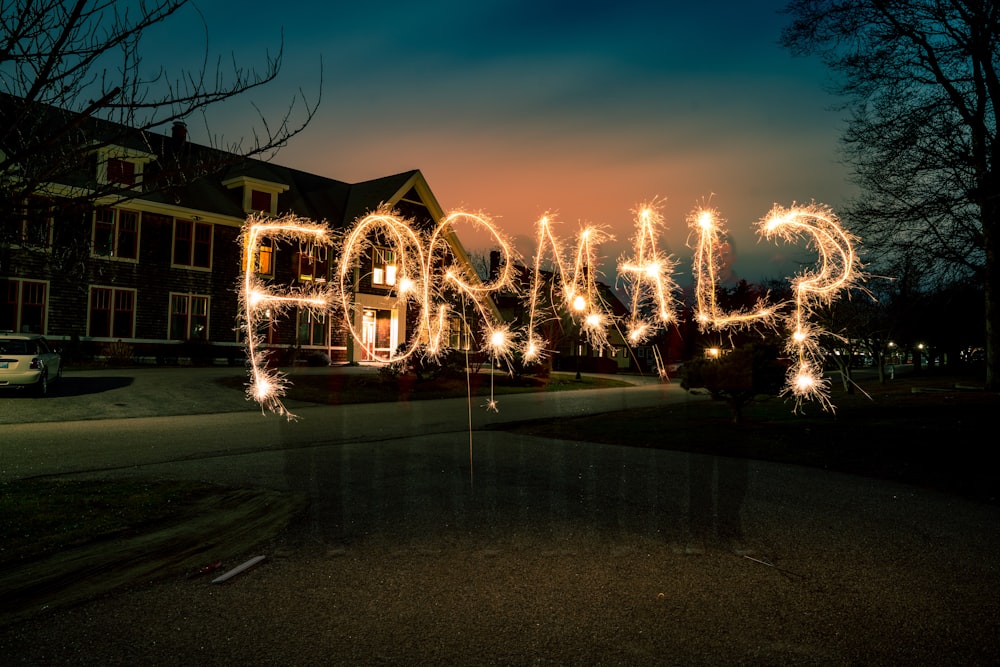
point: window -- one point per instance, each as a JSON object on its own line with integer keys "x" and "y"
{"x": 31, "y": 225}
{"x": 112, "y": 313}
{"x": 121, "y": 172}
{"x": 188, "y": 317}
{"x": 116, "y": 234}
{"x": 192, "y": 244}
{"x": 121, "y": 166}
{"x": 312, "y": 328}
{"x": 459, "y": 335}
{"x": 23, "y": 308}
{"x": 314, "y": 264}
{"x": 260, "y": 201}
{"x": 256, "y": 195}
{"x": 384, "y": 267}
{"x": 265, "y": 257}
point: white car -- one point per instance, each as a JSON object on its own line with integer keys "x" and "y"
{"x": 27, "y": 360}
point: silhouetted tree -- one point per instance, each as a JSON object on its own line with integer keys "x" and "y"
{"x": 64, "y": 66}
{"x": 739, "y": 377}
{"x": 922, "y": 82}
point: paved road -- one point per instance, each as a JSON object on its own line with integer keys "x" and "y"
{"x": 136, "y": 417}
{"x": 423, "y": 546}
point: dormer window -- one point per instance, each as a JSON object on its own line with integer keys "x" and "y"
{"x": 261, "y": 201}
{"x": 122, "y": 167}
{"x": 121, "y": 172}
{"x": 259, "y": 196}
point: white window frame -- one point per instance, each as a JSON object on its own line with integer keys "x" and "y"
{"x": 19, "y": 303}
{"x": 116, "y": 234}
{"x": 194, "y": 233}
{"x": 189, "y": 299}
{"x": 111, "y": 325}
{"x": 137, "y": 158}
{"x": 384, "y": 272}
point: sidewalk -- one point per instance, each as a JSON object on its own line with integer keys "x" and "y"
{"x": 157, "y": 392}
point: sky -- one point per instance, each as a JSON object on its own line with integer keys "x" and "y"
{"x": 580, "y": 110}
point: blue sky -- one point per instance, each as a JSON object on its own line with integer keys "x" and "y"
{"x": 580, "y": 109}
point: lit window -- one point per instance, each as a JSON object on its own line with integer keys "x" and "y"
{"x": 384, "y": 267}
{"x": 460, "y": 336}
{"x": 265, "y": 257}
{"x": 314, "y": 264}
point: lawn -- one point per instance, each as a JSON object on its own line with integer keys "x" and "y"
{"x": 923, "y": 430}
{"x": 347, "y": 388}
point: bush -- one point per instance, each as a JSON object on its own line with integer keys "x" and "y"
{"x": 118, "y": 353}
{"x": 739, "y": 377}
{"x": 317, "y": 359}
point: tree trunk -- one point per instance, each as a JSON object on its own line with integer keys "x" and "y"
{"x": 846, "y": 379}
{"x": 991, "y": 225}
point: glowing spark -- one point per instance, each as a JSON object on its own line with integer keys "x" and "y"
{"x": 638, "y": 334}
{"x": 648, "y": 281}
{"x": 710, "y": 231}
{"x": 431, "y": 270}
{"x": 576, "y": 288}
{"x": 839, "y": 269}
{"x": 259, "y": 302}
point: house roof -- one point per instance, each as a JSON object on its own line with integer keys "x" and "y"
{"x": 305, "y": 194}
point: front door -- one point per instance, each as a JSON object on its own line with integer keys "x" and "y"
{"x": 368, "y": 335}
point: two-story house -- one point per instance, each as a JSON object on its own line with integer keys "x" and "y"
{"x": 124, "y": 253}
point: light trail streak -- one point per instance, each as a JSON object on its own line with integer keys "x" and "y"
{"x": 259, "y": 303}
{"x": 430, "y": 272}
{"x": 838, "y": 270}
{"x": 576, "y": 289}
{"x": 649, "y": 282}
{"x": 709, "y": 228}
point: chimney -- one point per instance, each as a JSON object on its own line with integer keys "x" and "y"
{"x": 494, "y": 264}
{"x": 179, "y": 133}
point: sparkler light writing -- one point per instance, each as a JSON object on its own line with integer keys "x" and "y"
{"x": 648, "y": 282}
{"x": 426, "y": 271}
{"x": 423, "y": 272}
{"x": 709, "y": 228}
{"x": 260, "y": 302}
{"x": 838, "y": 270}
{"x": 430, "y": 272}
{"x": 577, "y": 289}
{"x": 648, "y": 278}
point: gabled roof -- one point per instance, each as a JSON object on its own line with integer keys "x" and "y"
{"x": 367, "y": 196}
{"x": 216, "y": 191}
